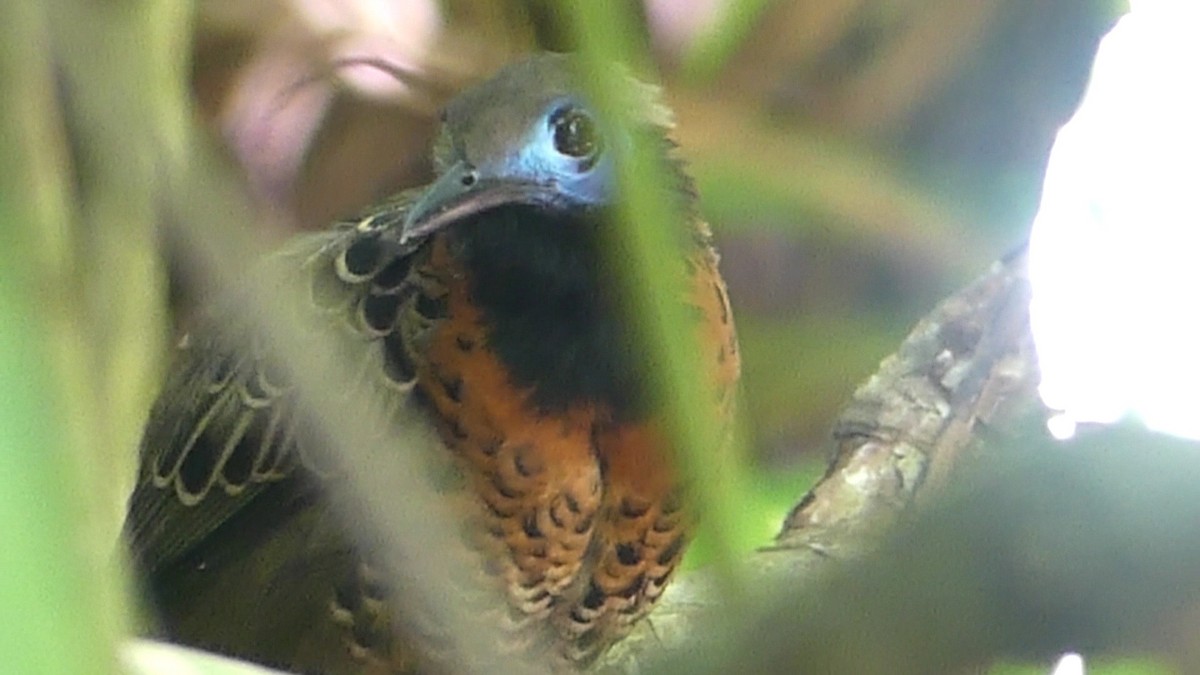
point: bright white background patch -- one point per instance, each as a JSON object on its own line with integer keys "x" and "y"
{"x": 1115, "y": 248}
{"x": 1069, "y": 664}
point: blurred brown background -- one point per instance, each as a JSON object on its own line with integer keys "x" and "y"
{"x": 858, "y": 159}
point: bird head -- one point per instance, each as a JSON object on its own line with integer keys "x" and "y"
{"x": 527, "y": 136}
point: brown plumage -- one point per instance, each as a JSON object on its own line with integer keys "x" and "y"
{"x": 486, "y": 301}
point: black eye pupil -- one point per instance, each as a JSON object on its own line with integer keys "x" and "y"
{"x": 574, "y": 133}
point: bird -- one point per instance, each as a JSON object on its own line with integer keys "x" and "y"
{"x": 489, "y": 303}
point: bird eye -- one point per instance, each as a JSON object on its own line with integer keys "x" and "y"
{"x": 575, "y": 133}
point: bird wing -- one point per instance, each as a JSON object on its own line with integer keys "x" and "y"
{"x": 227, "y": 427}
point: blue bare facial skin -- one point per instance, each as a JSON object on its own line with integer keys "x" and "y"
{"x": 500, "y": 145}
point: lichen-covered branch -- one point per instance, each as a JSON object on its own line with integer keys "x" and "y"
{"x": 967, "y": 367}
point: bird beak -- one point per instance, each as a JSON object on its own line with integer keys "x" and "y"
{"x": 464, "y": 191}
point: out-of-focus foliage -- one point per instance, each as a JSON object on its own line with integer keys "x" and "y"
{"x": 81, "y": 320}
{"x": 857, "y": 159}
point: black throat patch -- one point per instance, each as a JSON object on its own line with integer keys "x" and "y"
{"x": 552, "y": 308}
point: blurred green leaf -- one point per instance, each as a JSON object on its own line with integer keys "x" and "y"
{"x": 603, "y": 32}
{"x": 59, "y": 614}
{"x": 729, "y": 29}
{"x": 769, "y": 495}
